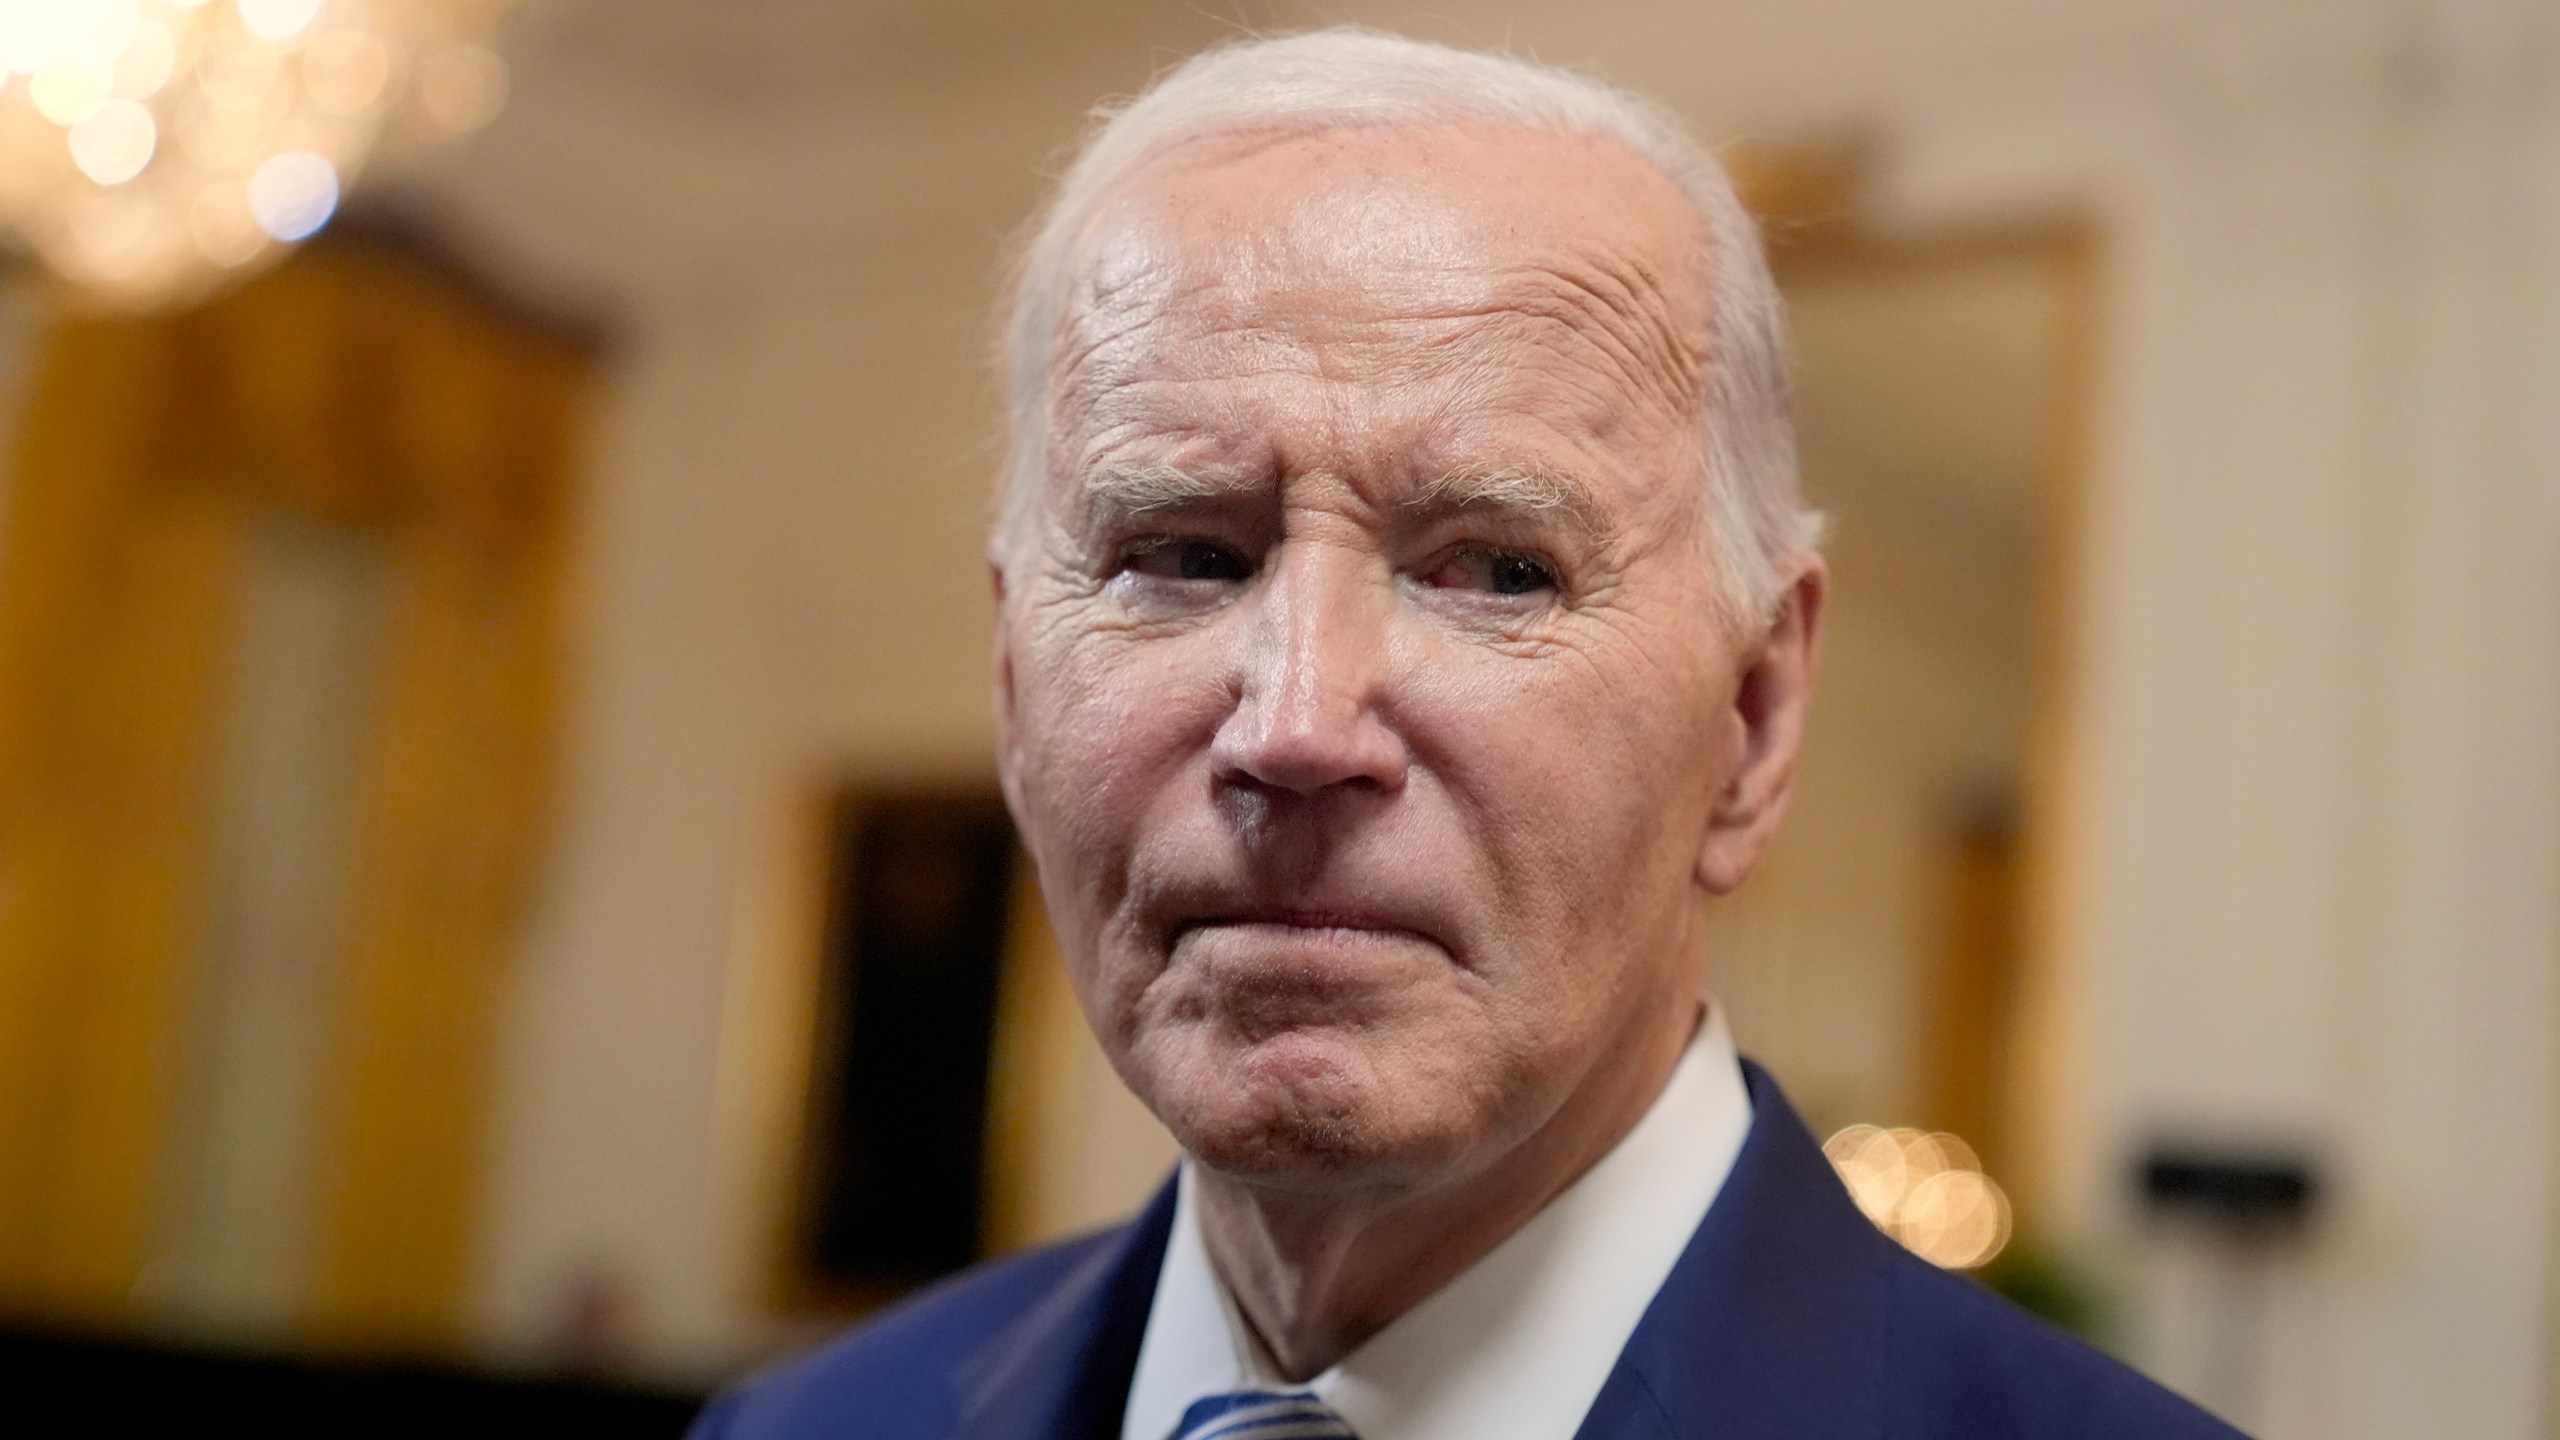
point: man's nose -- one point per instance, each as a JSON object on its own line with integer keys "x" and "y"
{"x": 1311, "y": 664}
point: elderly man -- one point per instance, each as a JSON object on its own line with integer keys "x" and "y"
{"x": 1407, "y": 615}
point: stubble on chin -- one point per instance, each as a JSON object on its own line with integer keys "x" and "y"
{"x": 1235, "y": 1117}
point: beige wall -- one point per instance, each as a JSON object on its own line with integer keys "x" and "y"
{"x": 1933, "y": 407}
{"x": 2313, "y": 827}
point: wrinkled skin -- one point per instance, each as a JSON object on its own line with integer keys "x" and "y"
{"x": 1364, "y": 690}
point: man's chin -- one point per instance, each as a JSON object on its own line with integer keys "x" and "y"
{"x": 1283, "y": 1149}
{"x": 1301, "y": 1112}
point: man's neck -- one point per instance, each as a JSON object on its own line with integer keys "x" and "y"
{"x": 1315, "y": 1275}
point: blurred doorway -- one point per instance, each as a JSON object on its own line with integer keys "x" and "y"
{"x": 280, "y": 622}
{"x": 1889, "y": 962}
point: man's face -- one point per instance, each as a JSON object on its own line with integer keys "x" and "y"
{"x": 1366, "y": 701}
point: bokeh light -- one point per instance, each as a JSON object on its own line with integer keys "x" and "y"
{"x": 278, "y": 19}
{"x": 1926, "y": 1189}
{"x": 294, "y": 194}
{"x": 150, "y": 148}
{"x": 463, "y": 87}
{"x": 112, "y": 143}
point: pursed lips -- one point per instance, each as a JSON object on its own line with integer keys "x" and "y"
{"x": 1265, "y": 972}
{"x": 1278, "y": 967}
{"x": 1309, "y": 924}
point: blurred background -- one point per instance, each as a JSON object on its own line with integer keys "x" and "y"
{"x": 499, "y": 858}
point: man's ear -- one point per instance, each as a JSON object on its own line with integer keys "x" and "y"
{"x": 1004, "y": 692}
{"x": 1770, "y": 702}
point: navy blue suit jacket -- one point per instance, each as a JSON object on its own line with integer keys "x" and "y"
{"x": 1788, "y": 1317}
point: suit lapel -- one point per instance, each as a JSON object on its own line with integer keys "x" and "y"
{"x": 1772, "y": 1322}
{"x": 1061, "y": 1371}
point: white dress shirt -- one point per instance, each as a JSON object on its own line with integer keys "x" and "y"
{"x": 1519, "y": 1344}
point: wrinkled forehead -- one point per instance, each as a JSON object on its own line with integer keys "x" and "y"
{"x": 1333, "y": 228}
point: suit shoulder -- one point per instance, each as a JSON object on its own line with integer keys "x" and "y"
{"x": 894, "y": 1370}
{"x": 1963, "y": 1362}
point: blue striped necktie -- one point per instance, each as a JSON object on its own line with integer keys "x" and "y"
{"x": 1261, "y": 1415}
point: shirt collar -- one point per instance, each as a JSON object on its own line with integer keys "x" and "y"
{"x": 1521, "y": 1342}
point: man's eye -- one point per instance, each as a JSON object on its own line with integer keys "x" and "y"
{"x": 1497, "y": 572}
{"x": 1187, "y": 560}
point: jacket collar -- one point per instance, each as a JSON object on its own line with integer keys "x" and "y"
{"x": 1061, "y": 1371}
{"x": 1770, "y": 1324}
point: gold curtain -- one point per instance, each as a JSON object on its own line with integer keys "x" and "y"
{"x": 362, "y": 389}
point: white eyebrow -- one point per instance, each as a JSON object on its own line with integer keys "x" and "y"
{"x": 1144, "y": 490}
{"x": 1533, "y": 491}
{"x": 1147, "y": 489}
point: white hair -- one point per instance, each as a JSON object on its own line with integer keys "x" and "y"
{"x": 1348, "y": 76}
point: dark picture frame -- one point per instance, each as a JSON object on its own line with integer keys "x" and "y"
{"x": 919, "y": 900}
